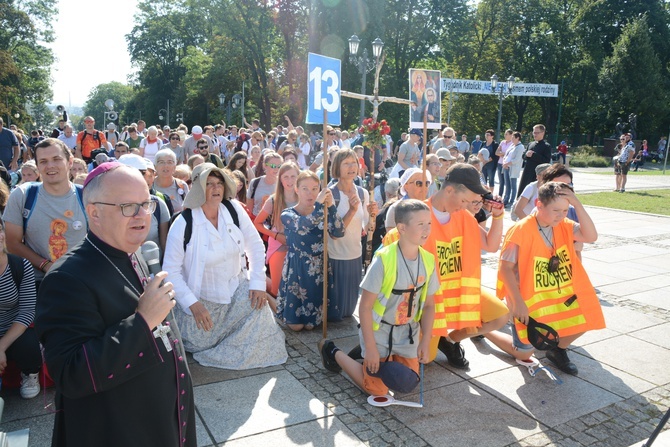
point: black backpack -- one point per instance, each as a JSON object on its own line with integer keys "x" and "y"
{"x": 241, "y": 139}
{"x": 16, "y": 269}
{"x": 187, "y": 213}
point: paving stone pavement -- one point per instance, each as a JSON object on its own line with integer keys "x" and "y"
{"x": 622, "y": 390}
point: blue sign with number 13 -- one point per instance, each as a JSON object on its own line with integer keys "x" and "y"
{"x": 323, "y": 89}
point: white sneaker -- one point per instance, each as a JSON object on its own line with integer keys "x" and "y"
{"x": 30, "y": 385}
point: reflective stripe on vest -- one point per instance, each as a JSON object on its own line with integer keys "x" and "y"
{"x": 389, "y": 258}
{"x": 456, "y": 246}
{"x": 547, "y": 294}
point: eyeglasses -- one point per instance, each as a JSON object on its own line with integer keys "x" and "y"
{"x": 419, "y": 183}
{"x": 214, "y": 184}
{"x": 332, "y": 133}
{"x": 132, "y": 209}
{"x": 477, "y": 202}
{"x": 273, "y": 166}
{"x": 166, "y": 162}
{"x": 175, "y": 138}
{"x": 434, "y": 163}
{"x": 203, "y": 147}
{"x": 448, "y": 136}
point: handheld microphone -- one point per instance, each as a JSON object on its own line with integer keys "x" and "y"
{"x": 151, "y": 255}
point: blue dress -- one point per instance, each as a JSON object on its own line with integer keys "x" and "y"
{"x": 300, "y": 298}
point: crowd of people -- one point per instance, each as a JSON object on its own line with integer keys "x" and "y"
{"x": 238, "y": 217}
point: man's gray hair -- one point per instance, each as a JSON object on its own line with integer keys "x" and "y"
{"x": 165, "y": 153}
{"x": 95, "y": 189}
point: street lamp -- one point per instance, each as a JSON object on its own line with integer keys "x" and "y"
{"x": 504, "y": 90}
{"x": 365, "y": 65}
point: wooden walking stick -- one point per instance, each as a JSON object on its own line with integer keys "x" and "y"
{"x": 425, "y": 150}
{"x": 372, "y": 222}
{"x": 324, "y": 147}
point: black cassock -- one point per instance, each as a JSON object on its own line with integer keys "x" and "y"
{"x": 116, "y": 384}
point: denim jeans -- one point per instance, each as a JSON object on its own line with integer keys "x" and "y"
{"x": 501, "y": 180}
{"x": 510, "y": 187}
{"x": 489, "y": 172}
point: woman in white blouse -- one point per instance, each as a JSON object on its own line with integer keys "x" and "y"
{"x": 222, "y": 313}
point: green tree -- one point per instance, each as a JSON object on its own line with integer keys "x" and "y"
{"x": 25, "y": 60}
{"x": 95, "y": 106}
{"x": 625, "y": 88}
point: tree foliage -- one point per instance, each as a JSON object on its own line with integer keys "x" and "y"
{"x": 95, "y": 104}
{"x": 190, "y": 51}
{"x": 25, "y": 60}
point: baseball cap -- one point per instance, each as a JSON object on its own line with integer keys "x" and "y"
{"x": 415, "y": 132}
{"x": 541, "y": 336}
{"x": 397, "y": 376}
{"x": 444, "y": 154}
{"x": 539, "y": 169}
{"x": 134, "y": 161}
{"x": 111, "y": 126}
{"x": 466, "y": 175}
{"x": 196, "y": 130}
{"x": 150, "y": 164}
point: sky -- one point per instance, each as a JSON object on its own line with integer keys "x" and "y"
{"x": 90, "y": 47}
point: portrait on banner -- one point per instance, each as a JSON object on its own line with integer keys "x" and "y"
{"x": 425, "y": 93}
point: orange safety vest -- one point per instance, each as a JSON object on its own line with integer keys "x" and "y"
{"x": 456, "y": 246}
{"x": 546, "y": 294}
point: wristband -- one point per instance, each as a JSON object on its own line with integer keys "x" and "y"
{"x": 499, "y": 217}
{"x": 43, "y": 264}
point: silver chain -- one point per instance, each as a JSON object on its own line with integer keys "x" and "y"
{"x": 113, "y": 265}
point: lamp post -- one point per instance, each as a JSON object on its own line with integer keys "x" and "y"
{"x": 237, "y": 100}
{"x": 504, "y": 90}
{"x": 365, "y": 65}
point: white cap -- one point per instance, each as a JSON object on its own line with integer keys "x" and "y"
{"x": 134, "y": 161}
{"x": 196, "y": 130}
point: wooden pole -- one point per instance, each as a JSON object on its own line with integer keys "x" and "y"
{"x": 372, "y": 223}
{"x": 425, "y": 150}
{"x": 324, "y": 147}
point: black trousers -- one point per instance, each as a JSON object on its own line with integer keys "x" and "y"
{"x": 25, "y": 351}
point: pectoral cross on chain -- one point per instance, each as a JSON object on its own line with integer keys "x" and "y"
{"x": 161, "y": 332}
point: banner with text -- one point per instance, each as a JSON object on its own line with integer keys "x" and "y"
{"x": 450, "y": 85}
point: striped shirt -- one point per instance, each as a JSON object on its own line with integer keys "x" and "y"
{"x": 17, "y": 306}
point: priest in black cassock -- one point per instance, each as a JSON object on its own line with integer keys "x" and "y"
{"x": 111, "y": 344}
{"x": 538, "y": 152}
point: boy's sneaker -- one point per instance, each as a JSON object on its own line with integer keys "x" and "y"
{"x": 30, "y": 385}
{"x": 356, "y": 353}
{"x": 454, "y": 352}
{"x": 559, "y": 357}
{"x": 326, "y": 348}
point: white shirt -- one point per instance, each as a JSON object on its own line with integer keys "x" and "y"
{"x": 349, "y": 246}
{"x": 189, "y": 270}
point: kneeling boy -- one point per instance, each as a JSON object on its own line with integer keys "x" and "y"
{"x": 397, "y": 308}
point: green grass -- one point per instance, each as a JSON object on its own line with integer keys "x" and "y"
{"x": 652, "y": 201}
{"x": 643, "y": 173}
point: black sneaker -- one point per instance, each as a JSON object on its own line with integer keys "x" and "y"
{"x": 454, "y": 352}
{"x": 356, "y": 353}
{"x": 325, "y": 348}
{"x": 559, "y": 357}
